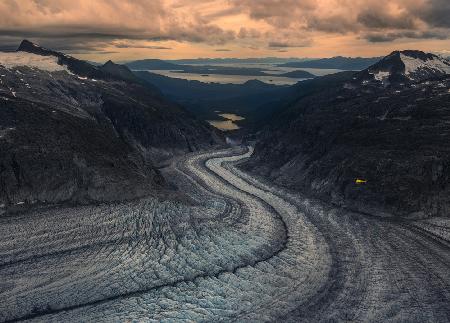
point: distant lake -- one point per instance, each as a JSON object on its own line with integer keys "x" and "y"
{"x": 240, "y": 79}
{"x": 228, "y": 124}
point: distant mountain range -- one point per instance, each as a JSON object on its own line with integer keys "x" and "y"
{"x": 155, "y": 64}
{"x": 207, "y": 67}
{"x": 339, "y": 62}
{"x": 211, "y": 61}
{"x": 152, "y": 64}
{"x": 71, "y": 132}
{"x": 387, "y": 126}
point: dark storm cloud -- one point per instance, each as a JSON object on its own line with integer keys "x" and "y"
{"x": 436, "y": 13}
{"x": 380, "y": 19}
{"x": 88, "y": 22}
{"x": 283, "y": 44}
{"x": 387, "y": 37}
{"x": 399, "y": 18}
{"x": 132, "y": 45}
{"x": 95, "y": 24}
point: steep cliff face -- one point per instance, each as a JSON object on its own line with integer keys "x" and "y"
{"x": 72, "y": 132}
{"x": 375, "y": 144}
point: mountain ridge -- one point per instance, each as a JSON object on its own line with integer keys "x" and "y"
{"x": 67, "y": 137}
{"x": 406, "y": 66}
{"x": 392, "y": 137}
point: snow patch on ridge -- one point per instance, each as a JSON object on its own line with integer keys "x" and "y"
{"x": 413, "y": 65}
{"x": 381, "y": 76}
{"x": 46, "y": 63}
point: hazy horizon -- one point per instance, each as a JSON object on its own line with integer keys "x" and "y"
{"x": 105, "y": 58}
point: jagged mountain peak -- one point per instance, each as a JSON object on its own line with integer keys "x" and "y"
{"x": 119, "y": 71}
{"x": 75, "y": 65}
{"x": 31, "y": 47}
{"x": 418, "y": 54}
{"x": 410, "y": 61}
{"x": 406, "y": 66}
{"x": 110, "y": 62}
{"x": 111, "y": 66}
{"x": 26, "y": 46}
{"x": 33, "y": 55}
{"x": 109, "y": 70}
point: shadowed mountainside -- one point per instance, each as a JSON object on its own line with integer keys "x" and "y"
{"x": 73, "y": 132}
{"x": 387, "y": 126}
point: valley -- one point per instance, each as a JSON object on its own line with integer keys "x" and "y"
{"x": 128, "y": 195}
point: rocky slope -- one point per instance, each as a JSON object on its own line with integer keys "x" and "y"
{"x": 377, "y": 142}
{"x": 72, "y": 132}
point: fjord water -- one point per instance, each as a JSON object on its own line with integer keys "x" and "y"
{"x": 228, "y": 124}
{"x": 241, "y": 79}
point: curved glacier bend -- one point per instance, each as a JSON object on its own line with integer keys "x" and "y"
{"x": 244, "y": 251}
{"x": 247, "y": 252}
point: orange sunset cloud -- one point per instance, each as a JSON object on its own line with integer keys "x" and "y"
{"x": 121, "y": 29}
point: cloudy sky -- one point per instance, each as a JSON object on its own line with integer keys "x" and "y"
{"x": 131, "y": 29}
